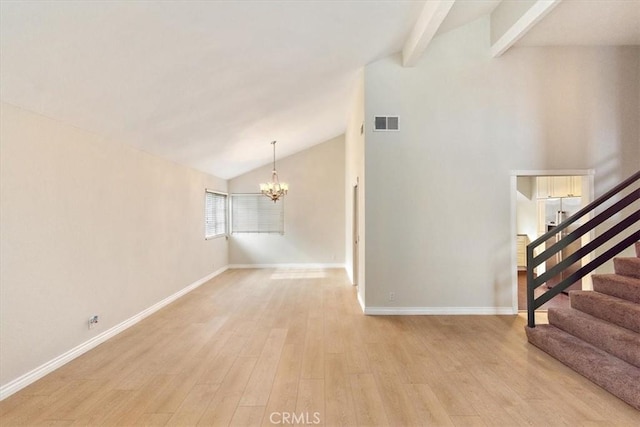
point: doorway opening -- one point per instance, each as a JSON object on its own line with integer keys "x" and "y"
{"x": 540, "y": 201}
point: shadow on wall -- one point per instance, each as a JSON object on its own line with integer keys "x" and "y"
{"x": 608, "y": 174}
{"x": 587, "y": 105}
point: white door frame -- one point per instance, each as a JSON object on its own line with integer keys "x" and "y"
{"x": 587, "y": 193}
{"x": 355, "y": 236}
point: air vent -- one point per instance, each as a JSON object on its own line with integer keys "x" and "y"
{"x": 387, "y": 123}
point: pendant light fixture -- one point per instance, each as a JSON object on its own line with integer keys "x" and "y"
{"x": 274, "y": 189}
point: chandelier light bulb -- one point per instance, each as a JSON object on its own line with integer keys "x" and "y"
{"x": 274, "y": 189}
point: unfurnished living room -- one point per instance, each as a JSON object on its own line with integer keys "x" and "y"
{"x": 320, "y": 212}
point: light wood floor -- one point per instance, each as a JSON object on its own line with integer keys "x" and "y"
{"x": 253, "y": 347}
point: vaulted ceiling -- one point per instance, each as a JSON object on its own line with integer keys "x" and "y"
{"x": 209, "y": 84}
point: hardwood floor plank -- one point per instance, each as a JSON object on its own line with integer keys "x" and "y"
{"x": 314, "y": 350}
{"x": 297, "y": 326}
{"x": 20, "y": 409}
{"x": 257, "y": 391}
{"x": 215, "y": 371}
{"x": 387, "y": 373}
{"x": 178, "y": 387}
{"x": 613, "y": 409}
{"x": 152, "y": 420}
{"x": 194, "y": 405}
{"x": 540, "y": 412}
{"x": 247, "y": 416}
{"x": 468, "y": 421}
{"x": 486, "y": 402}
{"x": 453, "y": 395}
{"x": 284, "y": 393}
{"x": 311, "y": 402}
{"x": 397, "y": 404}
{"x": 427, "y": 405}
{"x": 339, "y": 406}
{"x": 111, "y": 402}
{"x": 255, "y": 344}
{"x": 54, "y": 405}
{"x": 138, "y": 405}
{"x": 334, "y": 337}
{"x": 367, "y": 401}
{"x": 222, "y": 407}
{"x": 357, "y": 359}
{"x": 238, "y": 376}
{"x": 294, "y": 343}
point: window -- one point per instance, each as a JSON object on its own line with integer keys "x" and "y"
{"x": 215, "y": 214}
{"x": 255, "y": 213}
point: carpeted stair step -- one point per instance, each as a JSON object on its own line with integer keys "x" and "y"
{"x": 615, "y": 310}
{"x": 627, "y": 266}
{"x": 614, "y": 375}
{"x": 623, "y": 287}
{"x": 615, "y": 340}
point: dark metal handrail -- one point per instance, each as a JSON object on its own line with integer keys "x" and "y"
{"x": 533, "y": 261}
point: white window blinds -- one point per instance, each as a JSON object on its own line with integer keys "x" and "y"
{"x": 255, "y": 213}
{"x": 215, "y": 214}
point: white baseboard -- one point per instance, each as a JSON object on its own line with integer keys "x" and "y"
{"x": 349, "y": 272}
{"x": 292, "y": 266}
{"x": 30, "y": 377}
{"x": 364, "y": 310}
{"x": 440, "y": 311}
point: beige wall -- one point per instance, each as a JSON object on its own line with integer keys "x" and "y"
{"x": 89, "y": 226}
{"x": 314, "y": 210}
{"x": 438, "y": 192}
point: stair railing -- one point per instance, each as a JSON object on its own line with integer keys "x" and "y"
{"x": 534, "y": 261}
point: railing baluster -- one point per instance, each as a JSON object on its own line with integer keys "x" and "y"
{"x": 534, "y": 261}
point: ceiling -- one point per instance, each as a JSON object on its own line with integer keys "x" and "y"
{"x": 588, "y": 23}
{"x": 209, "y": 84}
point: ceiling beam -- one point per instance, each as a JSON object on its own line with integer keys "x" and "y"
{"x": 430, "y": 19}
{"x": 521, "y": 25}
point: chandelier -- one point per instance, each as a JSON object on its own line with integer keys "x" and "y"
{"x": 274, "y": 189}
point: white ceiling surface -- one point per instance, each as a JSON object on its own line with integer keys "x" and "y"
{"x": 207, "y": 84}
{"x": 210, "y": 83}
{"x": 464, "y": 11}
{"x": 587, "y": 23}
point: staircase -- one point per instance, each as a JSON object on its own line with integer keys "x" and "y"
{"x": 599, "y": 336}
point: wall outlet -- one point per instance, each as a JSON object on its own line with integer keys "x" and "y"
{"x": 93, "y": 321}
{"x": 392, "y": 296}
